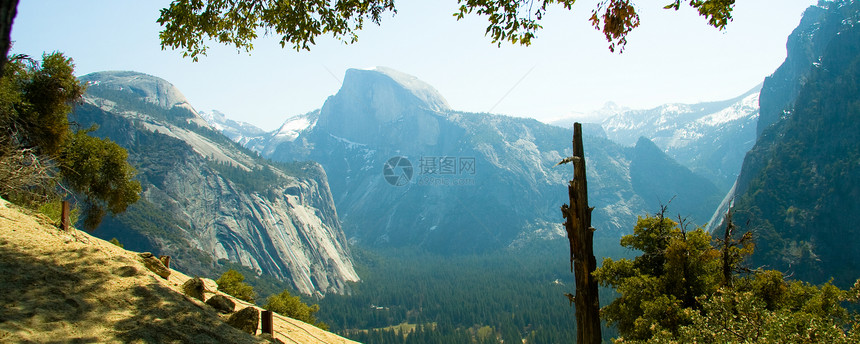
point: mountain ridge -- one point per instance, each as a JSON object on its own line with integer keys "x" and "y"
{"x": 710, "y": 138}
{"x": 217, "y": 199}
{"x": 513, "y": 191}
{"x": 798, "y": 190}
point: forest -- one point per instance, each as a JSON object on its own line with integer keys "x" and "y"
{"x": 408, "y": 295}
{"x": 674, "y": 284}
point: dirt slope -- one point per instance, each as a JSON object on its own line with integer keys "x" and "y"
{"x": 70, "y": 287}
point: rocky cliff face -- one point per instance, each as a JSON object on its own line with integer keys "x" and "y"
{"x": 155, "y": 91}
{"x": 383, "y": 106}
{"x": 460, "y": 182}
{"x": 800, "y": 184}
{"x": 206, "y": 198}
{"x": 804, "y": 46}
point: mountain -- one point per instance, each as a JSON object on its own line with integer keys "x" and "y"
{"x": 266, "y": 143}
{"x": 206, "y": 199}
{"x": 709, "y": 138}
{"x": 799, "y": 188}
{"x": 804, "y": 47}
{"x": 237, "y": 131}
{"x": 609, "y": 109}
{"x": 406, "y": 170}
{"x": 655, "y": 173}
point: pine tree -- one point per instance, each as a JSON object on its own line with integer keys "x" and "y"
{"x": 35, "y": 100}
{"x": 232, "y": 282}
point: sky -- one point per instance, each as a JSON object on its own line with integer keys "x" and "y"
{"x": 673, "y": 57}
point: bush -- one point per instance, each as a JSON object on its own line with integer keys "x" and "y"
{"x": 25, "y": 178}
{"x": 117, "y": 243}
{"x": 231, "y": 282}
{"x": 293, "y": 307}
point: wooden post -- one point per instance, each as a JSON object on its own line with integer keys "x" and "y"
{"x": 581, "y": 236}
{"x": 267, "y": 323}
{"x": 64, "y": 216}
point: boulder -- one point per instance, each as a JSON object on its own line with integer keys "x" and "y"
{"x": 221, "y": 304}
{"x": 193, "y": 288}
{"x": 210, "y": 285}
{"x": 246, "y": 320}
{"x": 154, "y": 264}
{"x": 165, "y": 260}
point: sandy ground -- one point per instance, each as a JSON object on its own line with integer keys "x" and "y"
{"x": 70, "y": 287}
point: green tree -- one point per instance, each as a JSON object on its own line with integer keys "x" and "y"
{"x": 232, "y": 282}
{"x": 677, "y": 291}
{"x": 293, "y": 307}
{"x": 116, "y": 242}
{"x": 803, "y": 314}
{"x": 48, "y": 93}
{"x": 518, "y": 21}
{"x": 189, "y": 23}
{"x": 733, "y": 250}
{"x": 35, "y": 100}
{"x": 676, "y": 267}
{"x": 98, "y": 169}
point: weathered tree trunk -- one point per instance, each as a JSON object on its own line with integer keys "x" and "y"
{"x": 8, "y": 9}
{"x": 581, "y": 237}
{"x": 725, "y": 251}
{"x": 64, "y": 216}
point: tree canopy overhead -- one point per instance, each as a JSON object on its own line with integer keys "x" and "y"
{"x": 188, "y": 24}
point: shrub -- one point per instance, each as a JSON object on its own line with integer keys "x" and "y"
{"x": 116, "y": 242}
{"x": 231, "y": 282}
{"x": 293, "y": 307}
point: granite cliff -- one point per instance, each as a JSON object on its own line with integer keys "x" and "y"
{"x": 206, "y": 199}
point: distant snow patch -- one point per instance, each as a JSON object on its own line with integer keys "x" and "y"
{"x": 291, "y": 129}
{"x": 349, "y": 144}
{"x": 737, "y": 111}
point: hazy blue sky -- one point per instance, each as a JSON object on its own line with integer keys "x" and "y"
{"x": 671, "y": 57}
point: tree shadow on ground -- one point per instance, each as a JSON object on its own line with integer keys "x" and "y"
{"x": 86, "y": 296}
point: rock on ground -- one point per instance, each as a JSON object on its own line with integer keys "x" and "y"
{"x": 247, "y": 320}
{"x": 221, "y": 304}
{"x": 193, "y": 288}
{"x": 154, "y": 264}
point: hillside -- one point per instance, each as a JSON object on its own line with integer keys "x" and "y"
{"x": 206, "y": 199}
{"x": 69, "y": 287}
{"x": 800, "y": 184}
